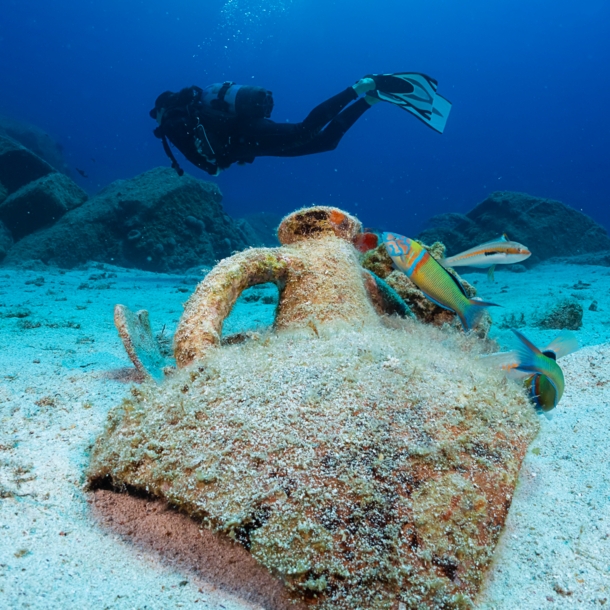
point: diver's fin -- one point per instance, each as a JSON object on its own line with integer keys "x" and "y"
{"x": 415, "y": 93}
{"x": 490, "y": 274}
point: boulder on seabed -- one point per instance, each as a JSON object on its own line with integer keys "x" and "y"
{"x": 548, "y": 228}
{"x": 156, "y": 221}
{"x": 40, "y": 203}
{"x": 19, "y": 165}
{"x": 35, "y": 140}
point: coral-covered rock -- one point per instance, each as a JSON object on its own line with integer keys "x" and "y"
{"x": 156, "y": 221}
{"x": 36, "y": 140}
{"x": 18, "y": 165}
{"x": 548, "y": 228}
{"x": 566, "y": 313}
{"x": 40, "y": 203}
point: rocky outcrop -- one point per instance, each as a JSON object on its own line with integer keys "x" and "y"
{"x": 261, "y": 228}
{"x": 156, "y": 221}
{"x": 36, "y": 140}
{"x": 600, "y": 259}
{"x": 19, "y": 166}
{"x": 40, "y": 203}
{"x": 548, "y": 228}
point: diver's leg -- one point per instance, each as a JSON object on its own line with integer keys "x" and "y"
{"x": 330, "y": 136}
{"x": 326, "y": 111}
{"x": 266, "y": 138}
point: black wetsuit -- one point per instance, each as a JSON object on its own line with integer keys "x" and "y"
{"x": 231, "y": 139}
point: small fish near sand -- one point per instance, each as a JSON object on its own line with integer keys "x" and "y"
{"x": 541, "y": 375}
{"x": 499, "y": 251}
{"x": 433, "y": 279}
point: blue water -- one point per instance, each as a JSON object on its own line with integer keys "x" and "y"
{"x": 528, "y": 80}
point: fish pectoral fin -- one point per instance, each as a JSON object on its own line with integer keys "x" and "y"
{"x": 490, "y": 273}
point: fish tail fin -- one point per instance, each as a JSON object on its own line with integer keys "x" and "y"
{"x": 565, "y": 343}
{"x": 473, "y": 312}
{"x": 490, "y": 274}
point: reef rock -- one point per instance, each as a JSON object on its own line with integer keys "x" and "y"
{"x": 40, "y": 203}
{"x": 566, "y": 313}
{"x": 35, "y": 140}
{"x": 599, "y": 259}
{"x": 156, "y": 221}
{"x": 261, "y": 228}
{"x": 548, "y": 228}
{"x": 19, "y": 166}
{"x": 368, "y": 461}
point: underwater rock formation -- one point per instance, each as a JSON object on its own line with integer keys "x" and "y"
{"x": 35, "y": 140}
{"x": 566, "y": 313}
{"x": 19, "y": 166}
{"x": 260, "y": 228}
{"x": 156, "y": 221}
{"x": 600, "y": 259}
{"x": 368, "y": 461}
{"x": 548, "y": 228}
{"x": 40, "y": 203}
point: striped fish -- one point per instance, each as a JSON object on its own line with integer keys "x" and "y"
{"x": 432, "y": 279}
{"x": 499, "y": 251}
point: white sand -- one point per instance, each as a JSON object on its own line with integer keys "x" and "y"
{"x": 57, "y": 383}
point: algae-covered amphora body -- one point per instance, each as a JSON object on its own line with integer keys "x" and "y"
{"x": 369, "y": 462}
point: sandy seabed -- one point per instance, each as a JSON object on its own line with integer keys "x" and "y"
{"x": 62, "y": 367}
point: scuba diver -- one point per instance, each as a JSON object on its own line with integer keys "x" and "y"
{"x": 226, "y": 123}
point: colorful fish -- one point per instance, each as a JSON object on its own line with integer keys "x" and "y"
{"x": 499, "y": 251}
{"x": 432, "y": 279}
{"x": 541, "y": 375}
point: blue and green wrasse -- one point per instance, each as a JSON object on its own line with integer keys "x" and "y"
{"x": 499, "y": 251}
{"x": 541, "y": 375}
{"x": 432, "y": 279}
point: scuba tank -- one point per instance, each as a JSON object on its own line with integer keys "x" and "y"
{"x": 238, "y": 100}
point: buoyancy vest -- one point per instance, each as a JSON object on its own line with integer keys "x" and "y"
{"x": 199, "y": 122}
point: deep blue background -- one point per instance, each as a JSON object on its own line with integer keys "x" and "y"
{"x": 529, "y": 82}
